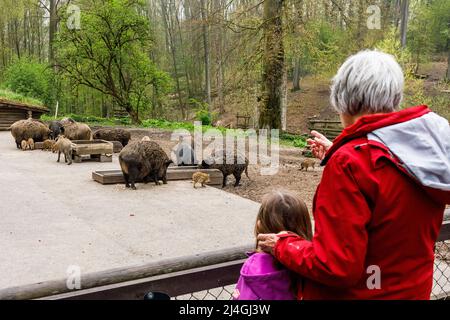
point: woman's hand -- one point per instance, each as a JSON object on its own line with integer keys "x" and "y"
{"x": 268, "y": 241}
{"x": 319, "y": 145}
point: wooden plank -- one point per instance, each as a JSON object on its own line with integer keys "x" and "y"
{"x": 326, "y": 121}
{"x": 124, "y": 274}
{"x": 86, "y": 147}
{"x": 174, "y": 284}
{"x": 173, "y": 174}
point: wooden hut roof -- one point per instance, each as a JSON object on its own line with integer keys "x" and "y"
{"x": 21, "y": 105}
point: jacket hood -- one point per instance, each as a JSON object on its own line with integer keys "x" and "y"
{"x": 265, "y": 279}
{"x": 418, "y": 137}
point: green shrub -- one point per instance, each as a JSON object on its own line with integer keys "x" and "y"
{"x": 31, "y": 79}
{"x": 202, "y": 112}
{"x": 298, "y": 141}
{"x": 204, "y": 116}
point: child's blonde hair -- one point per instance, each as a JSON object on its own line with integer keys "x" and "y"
{"x": 283, "y": 211}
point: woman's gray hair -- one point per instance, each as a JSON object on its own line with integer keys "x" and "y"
{"x": 368, "y": 82}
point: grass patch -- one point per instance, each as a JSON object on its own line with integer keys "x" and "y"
{"x": 16, "y": 97}
{"x": 293, "y": 140}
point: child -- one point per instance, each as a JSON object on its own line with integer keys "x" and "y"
{"x": 262, "y": 276}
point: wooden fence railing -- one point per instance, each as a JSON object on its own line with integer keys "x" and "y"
{"x": 330, "y": 128}
{"x": 176, "y": 277}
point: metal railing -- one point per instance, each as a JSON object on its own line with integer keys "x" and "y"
{"x": 209, "y": 276}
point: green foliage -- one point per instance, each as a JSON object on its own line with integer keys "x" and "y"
{"x": 298, "y": 141}
{"x": 31, "y": 79}
{"x": 429, "y": 29}
{"x": 320, "y": 47}
{"x": 391, "y": 44}
{"x": 111, "y": 54}
{"x": 204, "y": 116}
{"x": 415, "y": 95}
{"x": 13, "y": 96}
{"x": 202, "y": 112}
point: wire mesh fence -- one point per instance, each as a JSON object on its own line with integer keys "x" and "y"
{"x": 221, "y": 293}
{"x": 441, "y": 276}
{"x": 440, "y": 290}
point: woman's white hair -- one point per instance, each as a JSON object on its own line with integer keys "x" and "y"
{"x": 368, "y": 82}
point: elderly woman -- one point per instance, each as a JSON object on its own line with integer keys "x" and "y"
{"x": 379, "y": 207}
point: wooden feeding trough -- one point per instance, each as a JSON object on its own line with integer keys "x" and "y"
{"x": 173, "y": 173}
{"x": 96, "y": 150}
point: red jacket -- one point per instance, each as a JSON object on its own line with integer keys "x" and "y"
{"x": 370, "y": 212}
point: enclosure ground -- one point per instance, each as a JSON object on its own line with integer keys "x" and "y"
{"x": 55, "y": 216}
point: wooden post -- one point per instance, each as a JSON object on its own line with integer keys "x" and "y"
{"x": 56, "y": 110}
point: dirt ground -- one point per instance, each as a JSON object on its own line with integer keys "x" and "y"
{"x": 289, "y": 176}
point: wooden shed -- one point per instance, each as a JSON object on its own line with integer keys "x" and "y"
{"x": 12, "y": 111}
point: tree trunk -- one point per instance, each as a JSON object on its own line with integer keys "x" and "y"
{"x": 448, "y": 65}
{"x": 219, "y": 34}
{"x": 270, "y": 113}
{"x": 207, "y": 52}
{"x": 296, "y": 75}
{"x": 183, "y": 56}
{"x": 171, "y": 42}
{"x": 52, "y": 31}
{"x": 284, "y": 101}
{"x": 16, "y": 36}
{"x": 404, "y": 22}
{"x": 133, "y": 113}
{"x": 361, "y": 24}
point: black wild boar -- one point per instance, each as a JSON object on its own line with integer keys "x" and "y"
{"x": 55, "y": 128}
{"x": 235, "y": 167}
{"x": 121, "y": 135}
